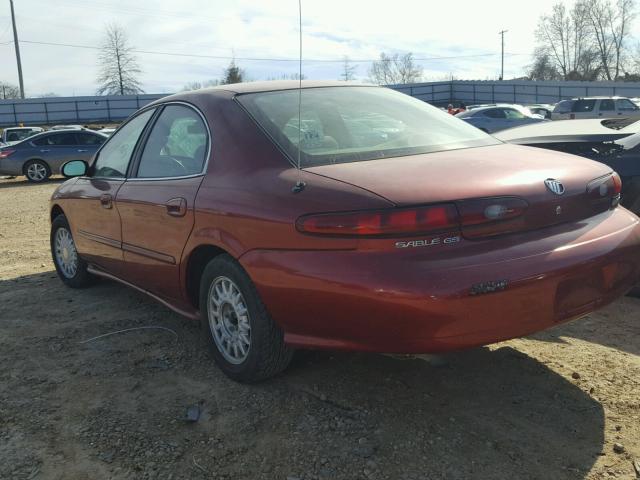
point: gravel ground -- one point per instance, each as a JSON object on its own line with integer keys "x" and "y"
{"x": 564, "y": 404}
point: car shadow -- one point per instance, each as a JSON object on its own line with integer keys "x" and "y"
{"x": 606, "y": 327}
{"x": 494, "y": 414}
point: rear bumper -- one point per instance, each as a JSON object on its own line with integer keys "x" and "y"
{"x": 418, "y": 302}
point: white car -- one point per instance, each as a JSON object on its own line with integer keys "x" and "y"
{"x": 595, "y": 107}
{"x": 13, "y": 135}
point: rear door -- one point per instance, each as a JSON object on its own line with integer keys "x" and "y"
{"x": 607, "y": 108}
{"x": 93, "y": 215}
{"x": 493, "y": 119}
{"x": 585, "y": 108}
{"x": 156, "y": 203}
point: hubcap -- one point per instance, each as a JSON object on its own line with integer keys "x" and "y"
{"x": 65, "y": 253}
{"x": 229, "y": 320}
{"x": 36, "y": 171}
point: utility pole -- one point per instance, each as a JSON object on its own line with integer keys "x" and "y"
{"x": 502, "y": 63}
{"x": 17, "y": 45}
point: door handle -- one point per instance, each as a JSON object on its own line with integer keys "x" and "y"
{"x": 82, "y": 151}
{"x": 44, "y": 151}
{"x": 176, "y": 207}
{"x": 106, "y": 200}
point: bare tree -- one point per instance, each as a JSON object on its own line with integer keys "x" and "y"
{"x": 543, "y": 68}
{"x": 119, "y": 68}
{"x": 610, "y": 24}
{"x": 348, "y": 70}
{"x": 198, "y": 85}
{"x": 7, "y": 90}
{"x": 394, "y": 69}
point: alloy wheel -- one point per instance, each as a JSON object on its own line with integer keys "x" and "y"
{"x": 65, "y": 252}
{"x": 229, "y": 320}
{"x": 36, "y": 172}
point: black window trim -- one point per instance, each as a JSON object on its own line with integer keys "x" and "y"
{"x": 137, "y": 156}
{"x": 97, "y": 154}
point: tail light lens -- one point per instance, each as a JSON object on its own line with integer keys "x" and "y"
{"x": 486, "y": 216}
{"x": 402, "y": 221}
{"x": 605, "y": 190}
{"x": 5, "y": 152}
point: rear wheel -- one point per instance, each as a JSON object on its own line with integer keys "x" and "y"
{"x": 37, "y": 171}
{"x": 71, "y": 269}
{"x": 245, "y": 342}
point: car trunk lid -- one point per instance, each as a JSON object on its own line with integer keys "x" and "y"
{"x": 487, "y": 174}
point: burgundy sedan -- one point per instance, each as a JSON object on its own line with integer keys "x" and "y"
{"x": 404, "y": 230}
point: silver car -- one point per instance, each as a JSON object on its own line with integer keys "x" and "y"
{"x": 40, "y": 156}
{"x": 499, "y": 117}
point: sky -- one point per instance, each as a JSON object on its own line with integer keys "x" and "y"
{"x": 193, "y": 40}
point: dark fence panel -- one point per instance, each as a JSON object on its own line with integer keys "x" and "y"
{"x": 76, "y": 110}
{"x": 513, "y": 91}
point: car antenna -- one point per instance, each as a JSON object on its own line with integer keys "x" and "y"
{"x": 299, "y": 186}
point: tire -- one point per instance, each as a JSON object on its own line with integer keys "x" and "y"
{"x": 243, "y": 321}
{"x": 36, "y": 171}
{"x": 71, "y": 269}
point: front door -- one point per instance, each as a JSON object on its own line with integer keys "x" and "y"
{"x": 156, "y": 203}
{"x": 96, "y": 225}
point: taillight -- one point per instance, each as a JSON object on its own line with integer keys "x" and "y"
{"x": 485, "y": 217}
{"x": 401, "y": 221}
{"x": 5, "y": 152}
{"x": 605, "y": 189}
{"x": 484, "y": 210}
{"x": 479, "y": 217}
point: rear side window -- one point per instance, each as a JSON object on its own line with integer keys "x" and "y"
{"x": 625, "y": 105}
{"x": 581, "y": 106}
{"x": 607, "y": 105}
{"x": 177, "y": 144}
{"x": 114, "y": 157}
{"x": 89, "y": 139}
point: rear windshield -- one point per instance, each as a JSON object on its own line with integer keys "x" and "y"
{"x": 350, "y": 124}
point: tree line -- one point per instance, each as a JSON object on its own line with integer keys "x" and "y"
{"x": 590, "y": 40}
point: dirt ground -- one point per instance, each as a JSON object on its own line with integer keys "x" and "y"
{"x": 564, "y": 404}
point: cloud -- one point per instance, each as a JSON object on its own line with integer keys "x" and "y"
{"x": 245, "y": 28}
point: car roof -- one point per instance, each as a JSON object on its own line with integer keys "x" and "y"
{"x": 600, "y": 98}
{"x": 274, "y": 85}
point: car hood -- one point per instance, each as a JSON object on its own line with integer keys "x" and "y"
{"x": 560, "y": 131}
{"x": 500, "y": 170}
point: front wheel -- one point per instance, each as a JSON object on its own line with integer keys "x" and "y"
{"x": 71, "y": 269}
{"x": 244, "y": 340}
{"x": 37, "y": 171}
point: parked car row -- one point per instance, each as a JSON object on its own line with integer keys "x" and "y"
{"x": 496, "y": 117}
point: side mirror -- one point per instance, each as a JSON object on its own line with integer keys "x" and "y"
{"x": 74, "y": 168}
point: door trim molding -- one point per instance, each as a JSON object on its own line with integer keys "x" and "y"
{"x": 145, "y": 252}
{"x": 100, "y": 239}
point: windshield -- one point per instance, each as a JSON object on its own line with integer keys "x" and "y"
{"x": 350, "y": 124}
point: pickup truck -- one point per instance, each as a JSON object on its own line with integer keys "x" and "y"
{"x": 595, "y": 107}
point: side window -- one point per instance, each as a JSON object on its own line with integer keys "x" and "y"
{"x": 625, "y": 105}
{"x": 494, "y": 113}
{"x": 607, "y": 105}
{"x": 582, "y": 106}
{"x": 89, "y": 139}
{"x": 114, "y": 157}
{"x": 513, "y": 114}
{"x": 177, "y": 144}
{"x": 61, "y": 139}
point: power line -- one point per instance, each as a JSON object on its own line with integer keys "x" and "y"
{"x": 260, "y": 59}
